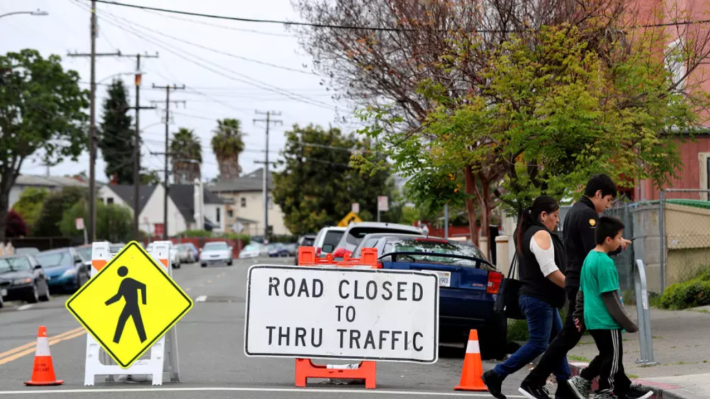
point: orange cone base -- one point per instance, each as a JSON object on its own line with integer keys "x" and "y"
{"x": 475, "y": 388}
{"x": 37, "y": 384}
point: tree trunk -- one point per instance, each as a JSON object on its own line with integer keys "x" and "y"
{"x": 4, "y": 204}
{"x": 470, "y": 207}
{"x": 484, "y": 199}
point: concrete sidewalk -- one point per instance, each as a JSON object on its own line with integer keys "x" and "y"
{"x": 680, "y": 343}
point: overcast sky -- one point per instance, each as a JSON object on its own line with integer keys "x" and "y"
{"x": 233, "y": 88}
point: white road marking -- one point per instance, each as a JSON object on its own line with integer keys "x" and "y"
{"x": 275, "y": 390}
{"x": 24, "y": 307}
{"x": 201, "y": 298}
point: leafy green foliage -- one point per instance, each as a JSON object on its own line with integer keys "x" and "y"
{"x": 116, "y": 135}
{"x": 227, "y": 144}
{"x": 41, "y": 107}
{"x": 114, "y": 223}
{"x": 30, "y": 204}
{"x": 688, "y": 294}
{"x": 53, "y": 208}
{"x": 151, "y": 178}
{"x": 318, "y": 186}
{"x": 185, "y": 145}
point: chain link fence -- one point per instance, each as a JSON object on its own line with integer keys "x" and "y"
{"x": 625, "y": 260}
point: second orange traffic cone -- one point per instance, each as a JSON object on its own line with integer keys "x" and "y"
{"x": 43, "y": 371}
{"x": 472, "y": 367}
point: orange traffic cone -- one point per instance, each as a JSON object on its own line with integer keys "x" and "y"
{"x": 472, "y": 367}
{"x": 43, "y": 372}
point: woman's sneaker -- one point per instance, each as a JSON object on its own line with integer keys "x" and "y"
{"x": 581, "y": 387}
{"x": 534, "y": 392}
{"x": 637, "y": 392}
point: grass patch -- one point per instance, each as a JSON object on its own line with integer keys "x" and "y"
{"x": 577, "y": 358}
{"x": 634, "y": 376}
{"x": 518, "y": 330}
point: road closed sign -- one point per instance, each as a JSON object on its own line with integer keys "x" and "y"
{"x": 342, "y": 313}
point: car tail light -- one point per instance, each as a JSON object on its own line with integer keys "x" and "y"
{"x": 494, "y": 280}
{"x": 318, "y": 250}
{"x": 341, "y": 252}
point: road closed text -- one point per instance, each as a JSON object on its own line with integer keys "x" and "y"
{"x": 357, "y": 314}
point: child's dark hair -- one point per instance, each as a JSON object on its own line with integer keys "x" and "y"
{"x": 600, "y": 182}
{"x": 607, "y": 227}
{"x": 530, "y": 215}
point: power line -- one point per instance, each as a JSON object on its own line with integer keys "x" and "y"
{"x": 352, "y": 27}
{"x": 258, "y": 32}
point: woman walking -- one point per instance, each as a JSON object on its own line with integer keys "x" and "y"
{"x": 541, "y": 274}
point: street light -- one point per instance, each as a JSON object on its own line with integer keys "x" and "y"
{"x": 37, "y": 13}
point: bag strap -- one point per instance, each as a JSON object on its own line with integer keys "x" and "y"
{"x": 513, "y": 265}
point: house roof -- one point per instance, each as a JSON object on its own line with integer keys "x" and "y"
{"x": 184, "y": 199}
{"x": 126, "y": 193}
{"x": 253, "y": 181}
{"x": 48, "y": 181}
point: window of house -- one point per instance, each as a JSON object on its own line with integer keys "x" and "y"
{"x": 230, "y": 213}
{"x": 218, "y": 215}
{"x": 244, "y": 202}
{"x": 109, "y": 200}
{"x": 675, "y": 62}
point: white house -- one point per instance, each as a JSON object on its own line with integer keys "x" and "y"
{"x": 181, "y": 207}
{"x": 51, "y": 183}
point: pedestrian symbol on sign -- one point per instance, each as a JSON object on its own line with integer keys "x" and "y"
{"x": 128, "y": 290}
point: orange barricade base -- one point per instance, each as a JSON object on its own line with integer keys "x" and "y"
{"x": 305, "y": 369}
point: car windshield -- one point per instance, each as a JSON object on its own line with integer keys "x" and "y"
{"x": 252, "y": 247}
{"x": 14, "y": 264}
{"x": 368, "y": 242}
{"x": 433, "y": 246}
{"x": 356, "y": 234}
{"x": 53, "y": 259}
{"x": 308, "y": 241}
{"x": 26, "y": 251}
{"x": 332, "y": 238}
{"x": 84, "y": 252}
{"x": 215, "y": 246}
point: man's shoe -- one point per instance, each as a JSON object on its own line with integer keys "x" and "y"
{"x": 534, "y": 392}
{"x": 580, "y": 387}
{"x": 605, "y": 395}
{"x": 637, "y": 392}
{"x": 564, "y": 391}
{"x": 494, "y": 384}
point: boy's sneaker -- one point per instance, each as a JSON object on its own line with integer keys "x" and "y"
{"x": 494, "y": 384}
{"x": 581, "y": 387}
{"x": 637, "y": 392}
{"x": 605, "y": 395}
{"x": 534, "y": 392}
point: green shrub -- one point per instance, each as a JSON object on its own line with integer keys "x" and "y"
{"x": 518, "y": 330}
{"x": 245, "y": 239}
{"x": 686, "y": 295}
{"x": 196, "y": 234}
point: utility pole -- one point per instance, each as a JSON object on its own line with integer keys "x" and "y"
{"x": 268, "y": 121}
{"x": 167, "y": 139}
{"x": 92, "y": 120}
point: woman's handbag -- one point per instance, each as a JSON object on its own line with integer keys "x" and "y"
{"x": 509, "y": 294}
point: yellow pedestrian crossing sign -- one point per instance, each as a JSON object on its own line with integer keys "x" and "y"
{"x": 129, "y": 305}
{"x": 351, "y": 217}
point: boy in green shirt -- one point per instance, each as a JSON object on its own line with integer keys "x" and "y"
{"x": 599, "y": 308}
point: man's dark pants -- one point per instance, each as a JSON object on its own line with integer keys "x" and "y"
{"x": 557, "y": 351}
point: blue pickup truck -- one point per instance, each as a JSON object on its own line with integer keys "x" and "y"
{"x": 468, "y": 285}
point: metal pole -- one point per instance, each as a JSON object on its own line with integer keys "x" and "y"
{"x": 266, "y": 177}
{"x": 92, "y": 129}
{"x": 167, "y": 185}
{"x": 662, "y": 235}
{"x": 446, "y": 221}
{"x": 644, "y": 316}
{"x": 137, "y": 155}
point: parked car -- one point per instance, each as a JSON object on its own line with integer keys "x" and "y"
{"x": 26, "y": 251}
{"x": 357, "y": 231}
{"x": 468, "y": 287}
{"x": 23, "y": 279}
{"x": 174, "y": 254}
{"x": 195, "y": 251}
{"x": 64, "y": 268}
{"x": 253, "y": 251}
{"x": 186, "y": 253}
{"x": 306, "y": 240}
{"x": 292, "y": 249}
{"x": 371, "y": 241}
{"x": 216, "y": 252}
{"x": 277, "y": 250}
{"x": 115, "y": 248}
{"x": 84, "y": 252}
{"x": 327, "y": 239}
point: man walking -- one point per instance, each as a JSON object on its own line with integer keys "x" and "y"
{"x": 128, "y": 290}
{"x": 578, "y": 232}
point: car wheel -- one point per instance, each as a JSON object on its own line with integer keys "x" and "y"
{"x": 494, "y": 338}
{"x": 46, "y": 296}
{"x": 204, "y": 265}
{"x": 2, "y": 303}
{"x": 230, "y": 262}
{"x": 34, "y": 295}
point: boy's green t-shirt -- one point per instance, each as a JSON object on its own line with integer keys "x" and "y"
{"x": 599, "y": 276}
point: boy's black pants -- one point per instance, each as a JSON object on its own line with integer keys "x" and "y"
{"x": 608, "y": 365}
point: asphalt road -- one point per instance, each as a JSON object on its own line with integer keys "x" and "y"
{"x": 212, "y": 360}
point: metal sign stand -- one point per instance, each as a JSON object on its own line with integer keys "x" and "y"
{"x": 644, "y": 316}
{"x": 98, "y": 362}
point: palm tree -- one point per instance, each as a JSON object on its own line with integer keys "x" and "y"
{"x": 227, "y": 144}
{"x": 184, "y": 147}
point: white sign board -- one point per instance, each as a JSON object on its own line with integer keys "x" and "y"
{"x": 355, "y": 208}
{"x": 342, "y": 313}
{"x": 382, "y": 203}
{"x": 79, "y": 223}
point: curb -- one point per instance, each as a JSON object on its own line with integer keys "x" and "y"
{"x": 661, "y": 391}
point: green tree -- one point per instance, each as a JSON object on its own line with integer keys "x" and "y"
{"x": 227, "y": 144}
{"x": 151, "y": 177}
{"x": 184, "y": 147}
{"x": 53, "y": 208}
{"x": 317, "y": 185}
{"x": 30, "y": 204}
{"x": 41, "y": 107}
{"x": 114, "y": 223}
{"x": 116, "y": 135}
